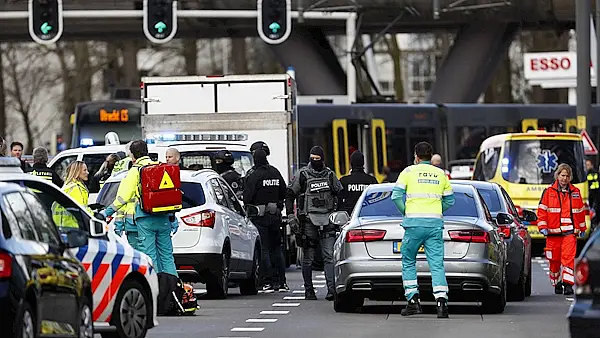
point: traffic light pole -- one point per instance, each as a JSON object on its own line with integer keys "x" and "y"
{"x": 584, "y": 86}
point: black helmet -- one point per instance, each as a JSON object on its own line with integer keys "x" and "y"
{"x": 224, "y": 155}
{"x": 260, "y": 145}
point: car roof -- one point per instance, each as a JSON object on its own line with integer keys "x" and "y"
{"x": 185, "y": 175}
{"x": 388, "y": 186}
{"x": 477, "y": 184}
{"x": 6, "y": 187}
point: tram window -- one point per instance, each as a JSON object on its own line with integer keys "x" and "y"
{"x": 417, "y": 135}
{"x": 468, "y": 140}
{"x": 486, "y": 165}
{"x": 396, "y": 149}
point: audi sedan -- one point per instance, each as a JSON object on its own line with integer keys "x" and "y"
{"x": 368, "y": 262}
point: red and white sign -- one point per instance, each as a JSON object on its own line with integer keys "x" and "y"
{"x": 588, "y": 146}
{"x": 551, "y": 66}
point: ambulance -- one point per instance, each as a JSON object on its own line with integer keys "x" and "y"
{"x": 524, "y": 164}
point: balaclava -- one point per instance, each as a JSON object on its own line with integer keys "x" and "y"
{"x": 357, "y": 160}
{"x": 317, "y": 164}
{"x": 260, "y": 157}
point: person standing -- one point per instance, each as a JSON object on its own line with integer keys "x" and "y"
{"x": 428, "y": 194}
{"x": 126, "y": 162}
{"x": 594, "y": 191}
{"x": 16, "y": 150}
{"x": 105, "y": 170}
{"x": 561, "y": 218}
{"x": 266, "y": 188}
{"x": 224, "y": 167}
{"x": 40, "y": 167}
{"x": 355, "y": 183}
{"x": 436, "y": 160}
{"x": 76, "y": 175}
{"x": 317, "y": 189}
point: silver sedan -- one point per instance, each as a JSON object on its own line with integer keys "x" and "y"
{"x": 368, "y": 263}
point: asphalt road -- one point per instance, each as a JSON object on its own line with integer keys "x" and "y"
{"x": 541, "y": 315}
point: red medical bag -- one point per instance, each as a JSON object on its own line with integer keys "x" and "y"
{"x": 160, "y": 188}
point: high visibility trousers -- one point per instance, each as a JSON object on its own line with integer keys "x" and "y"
{"x": 433, "y": 241}
{"x": 561, "y": 251}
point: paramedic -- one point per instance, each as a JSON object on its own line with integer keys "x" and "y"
{"x": 428, "y": 193}
{"x": 224, "y": 167}
{"x": 125, "y": 162}
{"x": 316, "y": 188}
{"x": 265, "y": 188}
{"x": 172, "y": 156}
{"x": 355, "y": 183}
{"x": 77, "y": 175}
{"x": 154, "y": 231}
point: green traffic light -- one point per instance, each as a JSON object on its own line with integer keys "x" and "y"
{"x": 274, "y": 27}
{"x": 45, "y": 28}
{"x": 160, "y": 26}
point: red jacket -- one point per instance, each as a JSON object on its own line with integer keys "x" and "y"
{"x": 561, "y": 212}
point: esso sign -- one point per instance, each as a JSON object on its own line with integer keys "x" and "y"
{"x": 553, "y": 63}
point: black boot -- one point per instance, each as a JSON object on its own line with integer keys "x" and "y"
{"x": 330, "y": 295}
{"x": 309, "y": 294}
{"x": 558, "y": 288}
{"x": 413, "y": 307}
{"x": 568, "y": 289}
{"x": 442, "y": 307}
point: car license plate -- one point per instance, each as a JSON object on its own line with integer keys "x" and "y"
{"x": 397, "y": 245}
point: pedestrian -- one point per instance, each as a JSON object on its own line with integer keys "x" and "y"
{"x": 561, "y": 218}
{"x": 317, "y": 188}
{"x": 428, "y": 194}
{"x": 40, "y": 167}
{"x": 153, "y": 230}
{"x": 390, "y": 177}
{"x": 2, "y": 147}
{"x": 265, "y": 188}
{"x": 76, "y": 175}
{"x": 594, "y": 191}
{"x": 105, "y": 170}
{"x": 16, "y": 150}
{"x": 355, "y": 183}
{"x": 224, "y": 167}
{"x": 436, "y": 160}
{"x": 172, "y": 156}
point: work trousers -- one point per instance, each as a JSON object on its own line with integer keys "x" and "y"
{"x": 132, "y": 238}
{"x": 272, "y": 268}
{"x": 316, "y": 235}
{"x": 154, "y": 239}
{"x": 433, "y": 241}
{"x": 560, "y": 252}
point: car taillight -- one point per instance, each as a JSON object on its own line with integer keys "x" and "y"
{"x": 582, "y": 272}
{"x": 5, "y": 265}
{"x": 474, "y": 236}
{"x": 505, "y": 229}
{"x": 367, "y": 235}
{"x": 205, "y": 218}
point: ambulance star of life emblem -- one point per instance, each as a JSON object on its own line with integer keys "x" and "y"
{"x": 547, "y": 161}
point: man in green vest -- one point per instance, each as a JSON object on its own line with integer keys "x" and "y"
{"x": 428, "y": 194}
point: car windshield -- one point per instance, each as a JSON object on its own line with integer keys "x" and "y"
{"x": 492, "y": 200}
{"x": 196, "y": 160}
{"x": 193, "y": 194}
{"x": 380, "y": 204}
{"x": 534, "y": 161}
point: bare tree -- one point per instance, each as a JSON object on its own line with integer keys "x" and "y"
{"x": 2, "y": 98}
{"x": 27, "y": 78}
{"x": 393, "y": 48}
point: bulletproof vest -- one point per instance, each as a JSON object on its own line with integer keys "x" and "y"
{"x": 318, "y": 199}
{"x": 234, "y": 181}
{"x": 357, "y": 187}
{"x": 45, "y": 174}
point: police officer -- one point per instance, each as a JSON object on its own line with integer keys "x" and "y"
{"x": 40, "y": 167}
{"x": 316, "y": 188}
{"x": 265, "y": 188}
{"x": 224, "y": 167}
{"x": 428, "y": 193}
{"x": 355, "y": 183}
{"x": 594, "y": 188}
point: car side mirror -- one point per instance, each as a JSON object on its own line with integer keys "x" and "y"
{"x": 76, "y": 238}
{"x": 504, "y": 218}
{"x": 251, "y": 210}
{"x": 339, "y": 218}
{"x": 98, "y": 228}
{"x": 529, "y": 216}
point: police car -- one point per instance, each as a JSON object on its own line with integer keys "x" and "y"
{"x": 124, "y": 282}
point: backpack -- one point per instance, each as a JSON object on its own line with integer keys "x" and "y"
{"x": 175, "y": 297}
{"x": 160, "y": 188}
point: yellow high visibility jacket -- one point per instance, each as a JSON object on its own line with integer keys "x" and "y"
{"x": 128, "y": 194}
{"x": 121, "y": 165}
{"x": 79, "y": 192}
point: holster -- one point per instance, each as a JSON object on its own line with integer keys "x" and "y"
{"x": 269, "y": 208}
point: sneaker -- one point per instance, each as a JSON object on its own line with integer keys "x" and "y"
{"x": 283, "y": 288}
{"x": 568, "y": 289}
{"x": 309, "y": 294}
{"x": 413, "y": 307}
{"x": 330, "y": 295}
{"x": 558, "y": 288}
{"x": 267, "y": 288}
{"x": 442, "y": 307}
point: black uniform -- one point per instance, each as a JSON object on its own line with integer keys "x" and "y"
{"x": 224, "y": 166}
{"x": 42, "y": 171}
{"x": 594, "y": 193}
{"x": 265, "y": 188}
{"x": 355, "y": 183}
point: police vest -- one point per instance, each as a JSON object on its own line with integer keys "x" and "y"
{"x": 425, "y": 186}
{"x": 318, "y": 198}
{"x": 47, "y": 175}
{"x": 592, "y": 179}
{"x": 237, "y": 184}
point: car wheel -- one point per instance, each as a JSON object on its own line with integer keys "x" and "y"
{"x": 26, "y": 327}
{"x": 249, "y": 286}
{"x": 516, "y": 292}
{"x": 86, "y": 322}
{"x": 347, "y": 302}
{"x": 528, "y": 282}
{"x": 131, "y": 312}
{"x": 217, "y": 286}
{"x": 495, "y": 303}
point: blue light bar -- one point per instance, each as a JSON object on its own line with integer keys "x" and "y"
{"x": 86, "y": 142}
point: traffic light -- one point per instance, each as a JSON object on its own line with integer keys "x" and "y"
{"x": 160, "y": 20}
{"x": 45, "y": 20}
{"x": 274, "y": 20}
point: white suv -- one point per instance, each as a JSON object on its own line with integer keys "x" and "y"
{"x": 216, "y": 243}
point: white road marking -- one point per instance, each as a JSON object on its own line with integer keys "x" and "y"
{"x": 320, "y": 286}
{"x": 546, "y": 269}
{"x": 298, "y": 291}
{"x": 234, "y": 337}
{"x": 570, "y": 299}
{"x": 266, "y": 312}
{"x": 247, "y": 329}
{"x": 285, "y": 304}
{"x": 319, "y": 281}
{"x": 320, "y": 276}
{"x": 261, "y": 320}
{"x": 197, "y": 291}
{"x": 548, "y": 273}
{"x": 294, "y": 297}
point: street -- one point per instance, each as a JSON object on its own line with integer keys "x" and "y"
{"x": 288, "y": 315}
